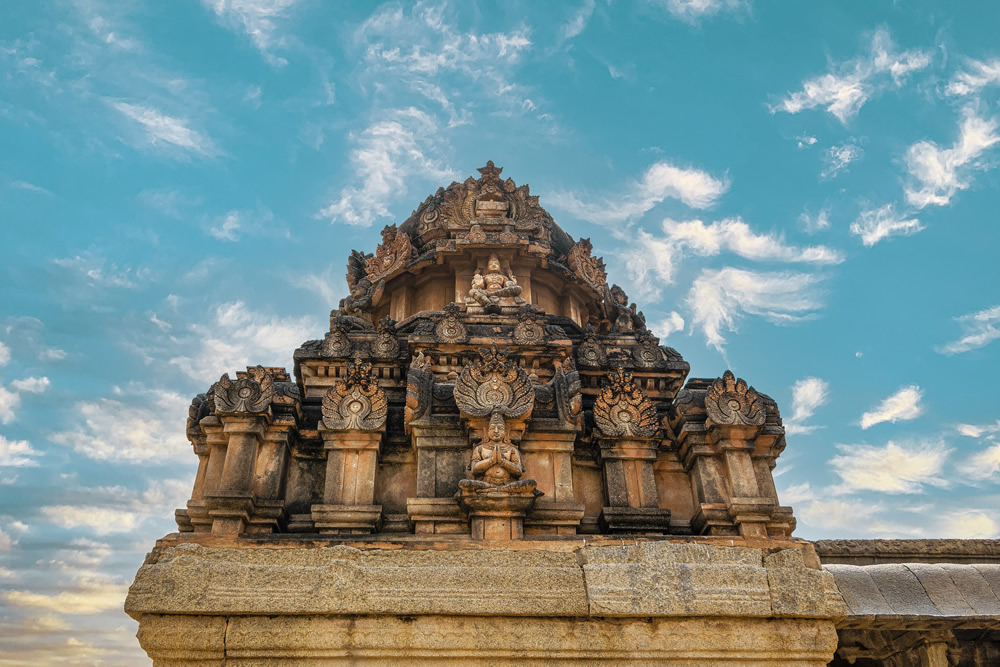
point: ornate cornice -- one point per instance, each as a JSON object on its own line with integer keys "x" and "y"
{"x": 492, "y": 383}
{"x": 356, "y": 402}
{"x": 622, "y": 410}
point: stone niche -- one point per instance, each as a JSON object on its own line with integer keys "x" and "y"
{"x": 487, "y": 457}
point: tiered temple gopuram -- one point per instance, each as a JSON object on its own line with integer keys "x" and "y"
{"x": 490, "y": 459}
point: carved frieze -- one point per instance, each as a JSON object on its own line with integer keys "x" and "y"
{"x": 730, "y": 401}
{"x": 385, "y": 345}
{"x": 356, "y": 402}
{"x": 529, "y": 329}
{"x": 588, "y": 268}
{"x": 590, "y": 353}
{"x": 250, "y": 394}
{"x": 492, "y": 383}
{"x": 392, "y": 254}
{"x": 450, "y": 329}
{"x": 622, "y": 410}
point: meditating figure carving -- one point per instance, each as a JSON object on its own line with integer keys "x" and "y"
{"x": 494, "y": 289}
{"x": 496, "y": 463}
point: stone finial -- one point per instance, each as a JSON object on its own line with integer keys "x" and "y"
{"x": 528, "y": 331}
{"x": 250, "y": 394}
{"x": 385, "y": 345}
{"x": 336, "y": 343}
{"x": 621, "y": 409}
{"x": 356, "y": 402}
{"x": 419, "y": 389}
{"x": 450, "y": 329}
{"x": 590, "y": 353}
{"x": 731, "y": 402}
{"x": 491, "y": 384}
{"x": 365, "y": 294}
{"x": 588, "y": 268}
{"x": 647, "y": 352}
{"x": 392, "y": 254}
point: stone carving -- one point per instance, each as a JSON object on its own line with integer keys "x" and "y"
{"x": 494, "y": 289}
{"x": 419, "y": 389}
{"x": 249, "y": 394}
{"x": 528, "y": 330}
{"x": 200, "y": 408}
{"x": 647, "y": 353}
{"x": 364, "y": 295}
{"x": 385, "y": 345}
{"x": 588, "y": 268}
{"x": 623, "y": 317}
{"x": 508, "y": 236}
{"x": 392, "y": 254}
{"x": 590, "y": 353}
{"x": 730, "y": 401}
{"x": 476, "y": 234}
{"x": 621, "y": 409}
{"x": 356, "y": 402}
{"x": 568, "y": 397}
{"x": 450, "y": 329}
{"x": 494, "y": 384}
{"x": 496, "y": 462}
{"x": 336, "y": 343}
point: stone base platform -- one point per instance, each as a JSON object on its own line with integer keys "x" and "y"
{"x": 249, "y": 601}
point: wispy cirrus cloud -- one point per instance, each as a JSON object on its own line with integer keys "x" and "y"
{"x": 694, "y": 10}
{"x": 718, "y": 299}
{"x": 844, "y": 92}
{"x": 904, "y": 467}
{"x": 808, "y": 394}
{"x": 979, "y": 329}
{"x": 878, "y": 224}
{"x": 152, "y": 129}
{"x": 260, "y": 20}
{"x": 901, "y": 406}
{"x": 578, "y": 22}
{"x": 978, "y": 75}
{"x": 936, "y": 174}
{"x": 837, "y": 158}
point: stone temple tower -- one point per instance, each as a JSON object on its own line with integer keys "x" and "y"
{"x": 487, "y": 458}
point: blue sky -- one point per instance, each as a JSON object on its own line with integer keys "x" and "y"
{"x": 803, "y": 192}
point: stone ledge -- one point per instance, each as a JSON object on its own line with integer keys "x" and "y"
{"x": 875, "y": 552}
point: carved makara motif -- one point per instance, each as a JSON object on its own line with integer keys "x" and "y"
{"x": 529, "y": 330}
{"x": 730, "y": 401}
{"x": 251, "y": 393}
{"x": 419, "y": 389}
{"x": 588, "y": 268}
{"x": 356, "y": 402}
{"x": 590, "y": 353}
{"x": 385, "y": 345}
{"x": 392, "y": 254}
{"x": 647, "y": 353}
{"x": 568, "y": 392}
{"x": 336, "y": 343}
{"x": 450, "y": 329}
{"x": 491, "y": 384}
{"x": 621, "y": 409}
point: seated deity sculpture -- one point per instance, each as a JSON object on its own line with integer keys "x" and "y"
{"x": 496, "y": 463}
{"x": 494, "y": 289}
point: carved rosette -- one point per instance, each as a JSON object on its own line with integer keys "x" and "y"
{"x": 621, "y": 409}
{"x": 493, "y": 383}
{"x": 529, "y": 330}
{"x": 647, "y": 353}
{"x": 385, "y": 345}
{"x": 476, "y": 234}
{"x": 250, "y": 394}
{"x": 588, "y": 268}
{"x": 336, "y": 343}
{"x": 731, "y": 402}
{"x": 392, "y": 254}
{"x": 590, "y": 353}
{"x": 356, "y": 402}
{"x": 450, "y": 329}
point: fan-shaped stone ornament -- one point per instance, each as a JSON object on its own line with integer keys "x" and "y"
{"x": 730, "y": 401}
{"x": 356, "y": 402}
{"x": 621, "y": 409}
{"x": 494, "y": 384}
{"x": 250, "y": 394}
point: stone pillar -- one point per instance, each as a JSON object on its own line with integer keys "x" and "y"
{"x": 497, "y": 516}
{"x": 708, "y": 482}
{"x": 548, "y": 459}
{"x": 349, "y": 490}
{"x": 269, "y": 482}
{"x": 215, "y": 444}
{"x": 442, "y": 459}
{"x": 232, "y": 504}
{"x": 633, "y": 506}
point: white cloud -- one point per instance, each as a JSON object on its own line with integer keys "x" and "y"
{"x": 978, "y": 430}
{"x": 973, "y": 524}
{"x": 718, "y": 298}
{"x": 226, "y": 227}
{"x": 837, "y": 158}
{"x": 663, "y": 180}
{"x": 4, "y": 354}
{"x": 895, "y": 468}
{"x": 814, "y": 223}
{"x": 576, "y": 25}
{"x": 901, "y": 406}
{"x": 5, "y": 541}
{"x": 236, "y": 337}
{"x": 936, "y": 173}
{"x": 844, "y": 93}
{"x": 95, "y": 270}
{"x": 51, "y": 354}
{"x": 805, "y": 141}
{"x": 808, "y": 394}
{"x": 9, "y": 403}
{"x": 89, "y": 593}
{"x": 162, "y": 131}
{"x": 385, "y": 158}
{"x": 100, "y": 520}
{"x": 978, "y": 330}
{"x": 735, "y": 236}
{"x": 877, "y": 224}
{"x": 978, "y": 75}
{"x": 31, "y": 385}
{"x": 17, "y": 453}
{"x": 835, "y": 514}
{"x": 797, "y": 494}
{"x": 143, "y": 428}
{"x": 984, "y": 464}
{"x": 692, "y": 10}
{"x": 670, "y": 324}
{"x": 259, "y": 19}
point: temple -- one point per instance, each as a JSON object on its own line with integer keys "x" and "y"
{"x": 489, "y": 458}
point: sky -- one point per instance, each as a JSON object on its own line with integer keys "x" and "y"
{"x": 805, "y": 193}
